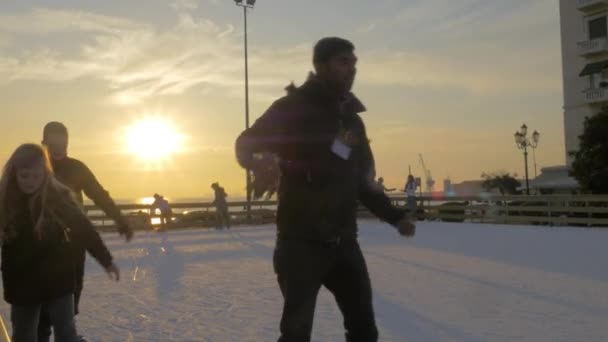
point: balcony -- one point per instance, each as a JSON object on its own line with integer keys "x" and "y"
{"x": 592, "y": 47}
{"x": 596, "y": 95}
{"x": 590, "y": 5}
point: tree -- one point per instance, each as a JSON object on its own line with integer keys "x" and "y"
{"x": 590, "y": 166}
{"x": 503, "y": 181}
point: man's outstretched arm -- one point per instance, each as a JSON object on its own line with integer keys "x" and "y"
{"x": 376, "y": 200}
{"x": 95, "y": 191}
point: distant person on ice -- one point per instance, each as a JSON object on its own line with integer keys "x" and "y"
{"x": 382, "y": 187}
{"x": 410, "y": 190}
{"x": 166, "y": 213}
{"x": 326, "y": 168}
{"x": 221, "y": 206}
{"x": 41, "y": 224}
{"x": 77, "y": 176}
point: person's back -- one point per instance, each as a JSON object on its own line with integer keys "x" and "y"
{"x": 220, "y": 196}
{"x": 73, "y": 173}
{"x": 221, "y": 206}
{"x": 162, "y": 204}
{"x": 411, "y": 190}
{"x": 410, "y": 187}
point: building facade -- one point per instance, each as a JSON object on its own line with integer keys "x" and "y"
{"x": 584, "y": 36}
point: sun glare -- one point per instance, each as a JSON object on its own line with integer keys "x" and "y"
{"x": 153, "y": 139}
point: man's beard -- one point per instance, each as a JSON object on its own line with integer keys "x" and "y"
{"x": 343, "y": 86}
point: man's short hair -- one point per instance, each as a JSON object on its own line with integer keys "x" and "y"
{"x": 329, "y": 47}
{"x": 54, "y": 127}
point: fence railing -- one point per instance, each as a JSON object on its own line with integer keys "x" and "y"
{"x": 580, "y": 210}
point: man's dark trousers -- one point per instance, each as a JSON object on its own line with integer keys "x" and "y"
{"x": 302, "y": 267}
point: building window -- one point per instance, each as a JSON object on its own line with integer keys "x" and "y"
{"x": 598, "y": 28}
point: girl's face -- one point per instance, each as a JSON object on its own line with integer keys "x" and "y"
{"x": 30, "y": 179}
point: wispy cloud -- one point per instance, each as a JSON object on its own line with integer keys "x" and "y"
{"x": 367, "y": 28}
{"x": 184, "y": 4}
{"x": 44, "y": 21}
{"x": 473, "y": 72}
{"x": 137, "y": 60}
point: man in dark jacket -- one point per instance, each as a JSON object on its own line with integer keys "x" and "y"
{"x": 221, "y": 206}
{"x": 327, "y": 168}
{"x": 77, "y": 176}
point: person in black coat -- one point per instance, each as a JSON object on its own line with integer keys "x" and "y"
{"x": 221, "y": 206}
{"x": 326, "y": 169}
{"x": 77, "y": 177}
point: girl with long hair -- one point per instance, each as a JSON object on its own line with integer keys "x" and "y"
{"x": 39, "y": 223}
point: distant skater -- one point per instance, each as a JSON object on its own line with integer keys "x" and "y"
{"x": 221, "y": 206}
{"x": 166, "y": 213}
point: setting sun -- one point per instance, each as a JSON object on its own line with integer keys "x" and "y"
{"x": 153, "y": 139}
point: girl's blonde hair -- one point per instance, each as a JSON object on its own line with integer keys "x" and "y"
{"x": 50, "y": 194}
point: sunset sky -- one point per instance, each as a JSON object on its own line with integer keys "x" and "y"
{"x": 452, "y": 80}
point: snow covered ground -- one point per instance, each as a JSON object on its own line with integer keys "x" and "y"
{"x": 453, "y": 282}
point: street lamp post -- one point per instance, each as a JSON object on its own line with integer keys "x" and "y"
{"x": 524, "y": 142}
{"x": 248, "y": 4}
{"x": 534, "y": 145}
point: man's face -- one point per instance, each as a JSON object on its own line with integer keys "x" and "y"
{"x": 339, "y": 71}
{"x": 57, "y": 144}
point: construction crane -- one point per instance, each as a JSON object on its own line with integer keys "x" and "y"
{"x": 430, "y": 182}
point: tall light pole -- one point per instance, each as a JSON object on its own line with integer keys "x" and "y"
{"x": 534, "y": 145}
{"x": 248, "y": 4}
{"x": 523, "y": 142}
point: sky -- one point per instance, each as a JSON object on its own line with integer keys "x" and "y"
{"x": 451, "y": 80}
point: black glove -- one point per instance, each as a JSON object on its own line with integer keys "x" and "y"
{"x": 266, "y": 174}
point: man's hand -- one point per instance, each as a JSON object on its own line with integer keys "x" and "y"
{"x": 266, "y": 175}
{"x": 113, "y": 272}
{"x": 406, "y": 227}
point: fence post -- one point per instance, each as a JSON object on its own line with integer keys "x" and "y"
{"x": 589, "y": 214}
{"x": 549, "y": 212}
{"x": 506, "y": 220}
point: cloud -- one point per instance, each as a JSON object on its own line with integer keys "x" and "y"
{"x": 482, "y": 47}
{"x": 367, "y": 28}
{"x": 4, "y": 40}
{"x": 136, "y": 60}
{"x": 184, "y": 4}
{"x": 139, "y": 61}
{"x": 473, "y": 72}
{"x": 42, "y": 21}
